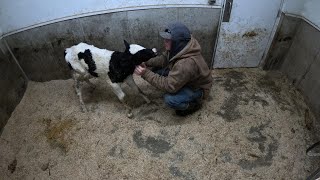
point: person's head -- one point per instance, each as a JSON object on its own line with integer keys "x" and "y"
{"x": 176, "y": 36}
{"x": 167, "y": 44}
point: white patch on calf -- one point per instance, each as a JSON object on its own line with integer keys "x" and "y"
{"x": 100, "y": 56}
{"x": 134, "y": 48}
{"x": 154, "y": 50}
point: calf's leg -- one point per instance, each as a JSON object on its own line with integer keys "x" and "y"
{"x": 77, "y": 86}
{"x": 120, "y": 94}
{"x": 130, "y": 81}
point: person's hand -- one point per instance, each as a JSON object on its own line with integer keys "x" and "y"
{"x": 140, "y": 69}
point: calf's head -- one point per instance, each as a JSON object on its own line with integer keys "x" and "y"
{"x": 139, "y": 54}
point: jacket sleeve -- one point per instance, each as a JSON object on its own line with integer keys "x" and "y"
{"x": 179, "y": 76}
{"x": 159, "y": 61}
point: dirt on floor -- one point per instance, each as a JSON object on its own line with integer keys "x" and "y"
{"x": 255, "y": 125}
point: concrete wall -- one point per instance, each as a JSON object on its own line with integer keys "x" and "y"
{"x": 293, "y": 13}
{"x": 40, "y": 50}
{"x": 18, "y": 15}
{"x": 311, "y": 11}
{"x": 296, "y": 52}
{"x": 302, "y": 63}
{"x": 293, "y": 6}
{"x": 282, "y": 42}
{"x": 296, "y": 49}
{"x": 12, "y": 85}
{"x": 308, "y": 9}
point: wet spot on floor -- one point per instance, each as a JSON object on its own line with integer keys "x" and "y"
{"x": 308, "y": 120}
{"x": 262, "y": 161}
{"x": 258, "y": 99}
{"x": 150, "y": 118}
{"x": 234, "y": 85}
{"x": 234, "y": 81}
{"x": 116, "y": 151}
{"x": 112, "y": 151}
{"x": 179, "y": 156}
{"x": 237, "y": 75}
{"x": 255, "y": 135}
{"x": 267, "y": 85}
{"x": 44, "y": 166}
{"x": 114, "y": 129}
{"x": 147, "y": 111}
{"x": 225, "y": 156}
{"x": 12, "y": 166}
{"x": 268, "y": 146}
{"x": 155, "y": 145}
{"x": 175, "y": 171}
{"x": 56, "y": 133}
{"x": 228, "y": 110}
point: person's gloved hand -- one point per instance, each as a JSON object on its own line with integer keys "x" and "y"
{"x": 140, "y": 69}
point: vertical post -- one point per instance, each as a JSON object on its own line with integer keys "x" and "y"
{"x": 15, "y": 60}
{"x": 218, "y": 32}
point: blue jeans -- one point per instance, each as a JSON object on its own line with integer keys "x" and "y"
{"x": 181, "y": 99}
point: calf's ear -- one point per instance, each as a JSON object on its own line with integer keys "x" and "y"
{"x": 126, "y": 45}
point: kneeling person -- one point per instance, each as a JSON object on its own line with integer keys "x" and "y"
{"x": 181, "y": 71}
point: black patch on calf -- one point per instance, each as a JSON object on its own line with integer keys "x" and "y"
{"x": 123, "y": 64}
{"x": 87, "y": 56}
{"x": 120, "y": 67}
{"x": 143, "y": 56}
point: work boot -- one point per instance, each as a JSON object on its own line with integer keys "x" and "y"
{"x": 193, "y": 107}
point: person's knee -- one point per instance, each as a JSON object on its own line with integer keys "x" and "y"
{"x": 172, "y": 102}
{"x": 169, "y": 100}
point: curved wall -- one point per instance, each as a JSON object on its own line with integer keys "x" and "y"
{"x": 40, "y": 50}
{"x": 21, "y": 15}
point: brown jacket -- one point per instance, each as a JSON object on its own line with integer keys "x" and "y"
{"x": 187, "y": 68}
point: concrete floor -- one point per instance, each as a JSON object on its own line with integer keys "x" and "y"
{"x": 252, "y": 127}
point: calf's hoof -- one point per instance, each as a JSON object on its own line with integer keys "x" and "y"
{"x": 84, "y": 109}
{"x": 130, "y": 115}
{"x": 148, "y": 101}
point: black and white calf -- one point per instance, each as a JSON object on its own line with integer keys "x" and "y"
{"x": 88, "y": 61}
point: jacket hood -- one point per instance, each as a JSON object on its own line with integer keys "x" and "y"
{"x": 192, "y": 48}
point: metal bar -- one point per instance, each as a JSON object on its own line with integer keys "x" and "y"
{"x": 15, "y": 60}
{"x": 227, "y": 10}
{"x": 218, "y": 32}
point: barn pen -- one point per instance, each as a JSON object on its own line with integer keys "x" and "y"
{"x": 262, "y": 114}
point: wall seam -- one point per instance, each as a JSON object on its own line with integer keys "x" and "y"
{"x": 294, "y": 39}
{"x": 303, "y": 18}
{"x": 217, "y": 36}
{"x": 276, "y": 27}
{"x": 16, "y": 61}
{"x": 308, "y": 68}
{"x": 314, "y": 58}
{"x": 306, "y": 72}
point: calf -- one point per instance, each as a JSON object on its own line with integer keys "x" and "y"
{"x": 87, "y": 61}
